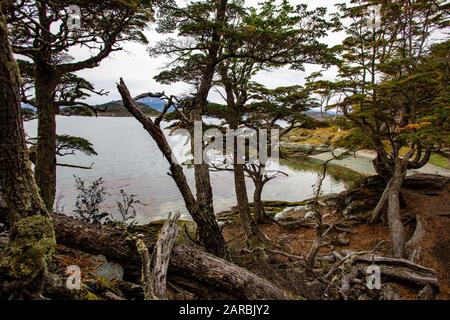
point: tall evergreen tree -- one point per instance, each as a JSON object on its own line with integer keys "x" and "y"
{"x": 43, "y": 32}
{"x": 24, "y": 260}
{"x": 389, "y": 92}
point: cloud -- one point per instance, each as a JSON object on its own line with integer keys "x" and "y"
{"x": 137, "y": 68}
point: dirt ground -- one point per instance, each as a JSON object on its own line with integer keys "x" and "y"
{"x": 432, "y": 207}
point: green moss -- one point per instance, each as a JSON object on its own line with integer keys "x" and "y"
{"x": 152, "y": 230}
{"x": 90, "y": 296}
{"x": 30, "y": 249}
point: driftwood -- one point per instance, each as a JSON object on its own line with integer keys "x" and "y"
{"x": 154, "y": 280}
{"x": 198, "y": 272}
{"x": 194, "y": 270}
{"x": 401, "y": 270}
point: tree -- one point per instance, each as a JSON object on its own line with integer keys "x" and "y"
{"x": 209, "y": 232}
{"x": 267, "y": 109}
{"x": 41, "y": 31}
{"x": 393, "y": 93}
{"x": 23, "y": 263}
{"x": 200, "y": 27}
{"x": 251, "y": 39}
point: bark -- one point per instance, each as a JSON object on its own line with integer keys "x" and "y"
{"x": 381, "y": 167}
{"x": 260, "y": 214}
{"x": 196, "y": 271}
{"x": 45, "y": 169}
{"x": 154, "y": 281}
{"x": 378, "y": 211}
{"x": 401, "y": 270}
{"x": 317, "y": 244}
{"x": 23, "y": 264}
{"x": 208, "y": 228}
{"x": 46, "y": 80}
{"x": 200, "y": 209}
{"x": 254, "y": 236}
{"x": 396, "y": 228}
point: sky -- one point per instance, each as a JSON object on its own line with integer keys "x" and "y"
{"x": 138, "y": 68}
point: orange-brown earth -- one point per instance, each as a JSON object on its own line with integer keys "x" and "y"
{"x": 433, "y": 207}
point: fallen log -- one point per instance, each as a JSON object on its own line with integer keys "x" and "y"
{"x": 205, "y": 275}
{"x": 401, "y": 270}
{"x": 196, "y": 271}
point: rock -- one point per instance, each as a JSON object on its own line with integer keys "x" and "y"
{"x": 296, "y": 149}
{"x": 343, "y": 240}
{"x": 427, "y": 293}
{"x": 109, "y": 270}
{"x": 389, "y": 292}
{"x": 292, "y": 214}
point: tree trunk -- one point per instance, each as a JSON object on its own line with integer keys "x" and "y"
{"x": 201, "y": 273}
{"x": 23, "y": 263}
{"x": 260, "y": 212}
{"x": 207, "y": 226}
{"x": 394, "y": 219}
{"x": 260, "y": 215}
{"x": 201, "y": 209}
{"x": 45, "y": 169}
{"x": 381, "y": 168}
{"x": 254, "y": 236}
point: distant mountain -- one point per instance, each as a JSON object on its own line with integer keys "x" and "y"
{"x": 28, "y": 106}
{"x": 150, "y": 106}
{"x": 117, "y": 109}
{"x": 154, "y": 103}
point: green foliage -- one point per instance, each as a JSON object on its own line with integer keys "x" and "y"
{"x": 393, "y": 79}
{"x": 355, "y": 140}
{"x": 65, "y": 145}
{"x": 46, "y": 47}
{"x": 127, "y": 207}
{"x": 271, "y": 35}
{"x": 28, "y": 114}
{"x": 89, "y": 201}
{"x": 68, "y": 145}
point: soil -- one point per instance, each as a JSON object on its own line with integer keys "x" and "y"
{"x": 434, "y": 207}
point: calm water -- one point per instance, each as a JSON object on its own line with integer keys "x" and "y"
{"x": 129, "y": 159}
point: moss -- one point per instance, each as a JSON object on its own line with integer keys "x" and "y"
{"x": 440, "y": 161}
{"x": 153, "y": 228}
{"x": 90, "y": 296}
{"x": 31, "y": 247}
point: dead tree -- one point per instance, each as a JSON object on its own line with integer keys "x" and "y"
{"x": 154, "y": 281}
{"x": 208, "y": 229}
{"x": 320, "y": 232}
{"x": 201, "y": 273}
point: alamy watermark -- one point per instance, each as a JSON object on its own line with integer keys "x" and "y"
{"x": 374, "y": 17}
{"x": 74, "y": 17}
{"x": 73, "y": 281}
{"x": 215, "y": 147}
{"x": 373, "y": 279}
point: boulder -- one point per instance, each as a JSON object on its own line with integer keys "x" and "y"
{"x": 109, "y": 270}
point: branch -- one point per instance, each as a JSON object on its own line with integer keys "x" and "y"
{"x": 75, "y": 166}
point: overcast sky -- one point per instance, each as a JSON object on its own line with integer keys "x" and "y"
{"x": 138, "y": 69}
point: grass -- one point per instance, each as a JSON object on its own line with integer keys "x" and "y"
{"x": 331, "y": 134}
{"x": 440, "y": 161}
{"x": 314, "y": 137}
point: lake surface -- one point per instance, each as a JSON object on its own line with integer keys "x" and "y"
{"x": 129, "y": 159}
